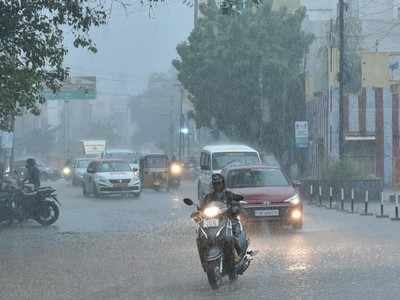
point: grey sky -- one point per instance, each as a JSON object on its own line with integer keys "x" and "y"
{"x": 132, "y": 47}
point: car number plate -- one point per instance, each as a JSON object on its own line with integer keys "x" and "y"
{"x": 120, "y": 185}
{"x": 210, "y": 223}
{"x": 266, "y": 213}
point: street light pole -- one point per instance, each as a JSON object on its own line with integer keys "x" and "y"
{"x": 180, "y": 124}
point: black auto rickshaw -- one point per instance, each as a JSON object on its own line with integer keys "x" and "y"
{"x": 154, "y": 171}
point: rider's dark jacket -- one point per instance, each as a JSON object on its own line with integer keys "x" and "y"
{"x": 33, "y": 176}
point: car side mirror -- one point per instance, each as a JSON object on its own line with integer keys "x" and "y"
{"x": 188, "y": 201}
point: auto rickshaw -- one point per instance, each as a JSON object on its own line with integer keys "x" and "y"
{"x": 154, "y": 171}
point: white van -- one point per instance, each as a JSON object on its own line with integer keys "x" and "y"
{"x": 214, "y": 158}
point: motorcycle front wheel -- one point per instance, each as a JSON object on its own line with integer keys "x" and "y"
{"x": 214, "y": 273}
{"x": 47, "y": 213}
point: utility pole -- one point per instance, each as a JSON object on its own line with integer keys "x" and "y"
{"x": 180, "y": 123}
{"x": 261, "y": 87}
{"x": 341, "y": 77}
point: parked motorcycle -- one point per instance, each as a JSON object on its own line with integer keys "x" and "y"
{"x": 216, "y": 243}
{"x": 40, "y": 205}
{"x": 7, "y": 210}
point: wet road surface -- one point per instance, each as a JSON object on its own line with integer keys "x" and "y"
{"x": 144, "y": 248}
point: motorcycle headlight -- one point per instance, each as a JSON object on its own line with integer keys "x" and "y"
{"x": 176, "y": 169}
{"x": 211, "y": 212}
{"x": 67, "y": 171}
{"x": 295, "y": 200}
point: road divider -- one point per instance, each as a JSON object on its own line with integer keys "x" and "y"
{"x": 366, "y": 213}
{"x": 396, "y": 209}
{"x": 382, "y": 214}
{"x": 352, "y": 200}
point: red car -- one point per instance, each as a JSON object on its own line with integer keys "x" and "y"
{"x": 269, "y": 194}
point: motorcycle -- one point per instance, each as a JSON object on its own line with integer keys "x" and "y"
{"x": 7, "y": 210}
{"x": 40, "y": 205}
{"x": 216, "y": 242}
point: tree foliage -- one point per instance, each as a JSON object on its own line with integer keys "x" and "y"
{"x": 32, "y": 48}
{"x": 235, "y": 65}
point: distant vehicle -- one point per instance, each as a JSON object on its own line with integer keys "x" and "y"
{"x": 110, "y": 177}
{"x": 92, "y": 148}
{"x": 123, "y": 154}
{"x": 79, "y": 169}
{"x": 214, "y": 158}
{"x": 154, "y": 171}
{"x": 269, "y": 194}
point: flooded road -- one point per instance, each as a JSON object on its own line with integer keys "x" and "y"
{"x": 144, "y": 248}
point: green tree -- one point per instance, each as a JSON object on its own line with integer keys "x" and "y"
{"x": 232, "y": 65}
{"x": 32, "y": 48}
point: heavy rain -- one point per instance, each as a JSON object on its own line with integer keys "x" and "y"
{"x": 230, "y": 149}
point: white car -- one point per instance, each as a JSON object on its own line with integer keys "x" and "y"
{"x": 79, "y": 170}
{"x": 111, "y": 177}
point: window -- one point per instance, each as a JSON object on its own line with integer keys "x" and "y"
{"x": 222, "y": 159}
{"x": 114, "y": 166}
{"x": 244, "y": 178}
{"x": 205, "y": 161}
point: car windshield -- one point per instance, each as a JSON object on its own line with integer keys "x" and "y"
{"x": 221, "y": 160}
{"x": 156, "y": 162}
{"x": 245, "y": 178}
{"x": 82, "y": 164}
{"x": 113, "y": 167}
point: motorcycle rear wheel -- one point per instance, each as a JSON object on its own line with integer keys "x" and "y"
{"x": 47, "y": 213}
{"x": 214, "y": 274}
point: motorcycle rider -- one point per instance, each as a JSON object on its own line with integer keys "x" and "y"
{"x": 33, "y": 173}
{"x": 219, "y": 193}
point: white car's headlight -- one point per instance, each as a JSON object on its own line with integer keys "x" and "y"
{"x": 294, "y": 200}
{"x": 212, "y": 211}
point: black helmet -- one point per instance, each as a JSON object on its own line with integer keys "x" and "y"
{"x": 30, "y": 162}
{"x": 217, "y": 179}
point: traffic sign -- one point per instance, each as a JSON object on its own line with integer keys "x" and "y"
{"x": 74, "y": 88}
